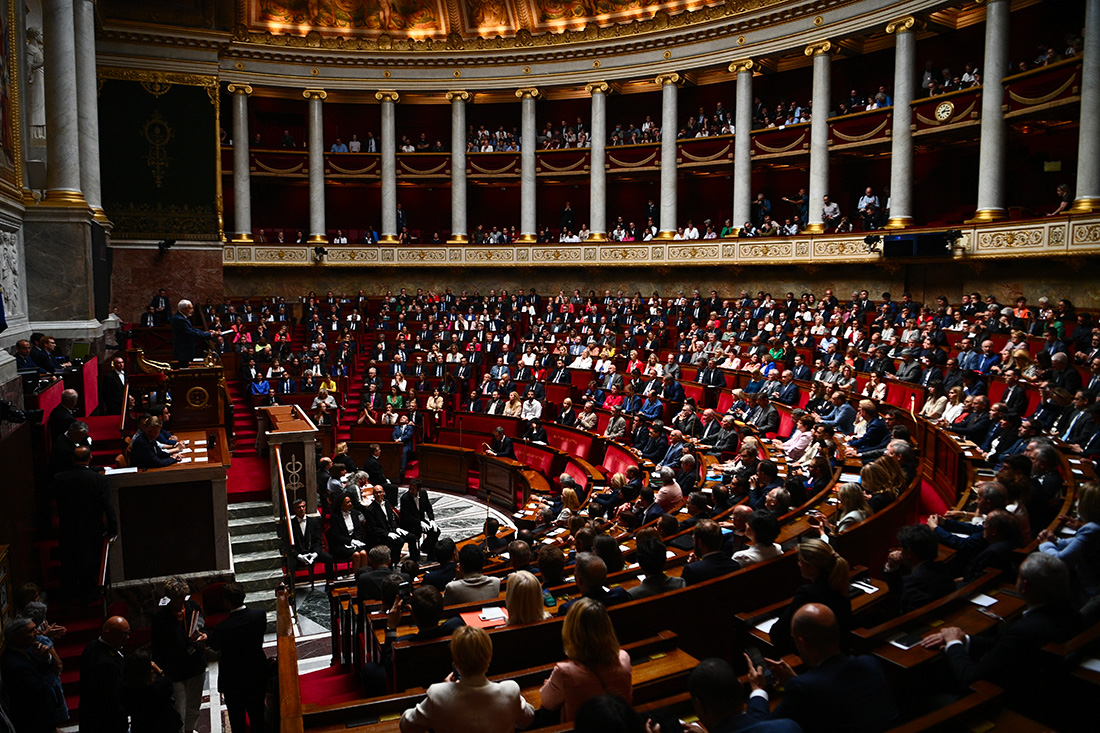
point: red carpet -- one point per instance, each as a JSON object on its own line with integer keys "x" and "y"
{"x": 329, "y": 686}
{"x": 249, "y": 478}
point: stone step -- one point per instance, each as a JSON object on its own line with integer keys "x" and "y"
{"x": 251, "y": 525}
{"x": 260, "y": 583}
{"x": 254, "y": 561}
{"x": 250, "y": 509}
{"x": 257, "y": 542}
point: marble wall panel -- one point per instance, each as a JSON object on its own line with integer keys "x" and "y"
{"x": 59, "y": 271}
{"x": 137, "y": 274}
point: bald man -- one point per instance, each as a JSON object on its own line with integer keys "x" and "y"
{"x": 64, "y": 415}
{"x": 101, "y": 665}
{"x": 837, "y": 691}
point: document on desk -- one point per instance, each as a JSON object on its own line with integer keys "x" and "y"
{"x": 983, "y": 600}
{"x": 767, "y": 624}
{"x": 1092, "y": 663}
{"x": 199, "y": 442}
{"x": 112, "y": 471}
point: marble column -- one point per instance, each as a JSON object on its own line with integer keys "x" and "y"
{"x": 87, "y": 105}
{"x": 819, "y": 134}
{"x": 901, "y": 133}
{"x": 991, "y": 161}
{"x": 242, "y": 163}
{"x": 670, "y": 86}
{"x": 528, "y": 226}
{"x": 316, "y": 134}
{"x": 459, "y": 226}
{"x": 62, "y": 120}
{"x": 742, "y": 144}
{"x": 389, "y": 98}
{"x": 1088, "y": 144}
{"x": 597, "y": 195}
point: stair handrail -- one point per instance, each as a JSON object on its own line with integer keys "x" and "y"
{"x": 105, "y": 572}
{"x": 290, "y": 691}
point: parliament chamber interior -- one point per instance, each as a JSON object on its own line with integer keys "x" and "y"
{"x": 623, "y": 366}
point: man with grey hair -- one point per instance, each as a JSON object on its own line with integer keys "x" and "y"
{"x": 591, "y": 574}
{"x": 1013, "y": 657}
{"x": 670, "y": 493}
{"x": 32, "y": 684}
{"x": 185, "y": 337}
{"x": 1047, "y": 484}
{"x": 64, "y": 415}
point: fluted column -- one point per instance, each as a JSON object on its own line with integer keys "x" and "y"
{"x": 458, "y": 167}
{"x": 242, "y": 176}
{"x": 597, "y": 196}
{"x": 1088, "y": 144}
{"x": 389, "y": 98}
{"x": 527, "y": 189}
{"x": 901, "y": 134}
{"x": 742, "y": 144}
{"x": 87, "y": 105}
{"x": 670, "y": 86}
{"x": 991, "y": 161}
{"x": 819, "y": 133}
{"x": 316, "y": 136}
{"x": 63, "y": 186}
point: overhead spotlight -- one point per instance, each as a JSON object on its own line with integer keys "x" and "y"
{"x": 872, "y": 242}
{"x": 319, "y": 253}
{"x": 165, "y": 244}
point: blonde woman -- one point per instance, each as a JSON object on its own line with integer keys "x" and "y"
{"x": 570, "y": 504}
{"x": 514, "y": 408}
{"x": 882, "y": 481}
{"x": 847, "y": 380}
{"x": 595, "y": 664}
{"x": 523, "y": 599}
{"x": 827, "y": 578}
{"x": 955, "y": 405}
{"x": 852, "y": 510}
{"x": 653, "y": 367}
{"x": 471, "y": 702}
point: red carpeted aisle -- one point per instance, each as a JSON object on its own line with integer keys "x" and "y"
{"x": 329, "y": 686}
{"x": 249, "y": 473}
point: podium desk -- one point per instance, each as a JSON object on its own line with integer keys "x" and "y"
{"x": 289, "y": 428}
{"x": 173, "y": 520}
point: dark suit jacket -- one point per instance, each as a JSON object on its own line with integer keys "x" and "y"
{"x": 111, "y": 393}
{"x": 101, "y": 708}
{"x": 1016, "y": 401}
{"x": 146, "y": 454}
{"x": 442, "y": 575}
{"x": 926, "y": 583}
{"x": 59, "y": 421}
{"x": 374, "y": 472}
{"x": 339, "y": 539}
{"x": 83, "y": 503}
{"x": 368, "y": 584}
{"x": 242, "y": 666}
{"x": 379, "y": 523}
{"x": 815, "y": 592}
{"x": 1011, "y": 660}
{"x": 311, "y": 541}
{"x": 503, "y": 448}
{"x": 414, "y": 512}
{"x": 876, "y": 433}
{"x": 842, "y": 693}
{"x": 185, "y": 338}
{"x": 709, "y": 566}
{"x": 788, "y": 394}
{"x": 610, "y": 597}
{"x": 767, "y": 420}
{"x": 975, "y": 427}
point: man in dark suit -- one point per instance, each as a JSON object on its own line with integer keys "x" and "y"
{"x": 673, "y": 392}
{"x": 1014, "y": 397}
{"x": 112, "y": 388}
{"x": 447, "y": 556}
{"x": 86, "y": 515}
{"x": 242, "y": 666}
{"x": 62, "y": 416}
{"x": 1012, "y": 658}
{"x": 418, "y": 519}
{"x": 306, "y": 546}
{"x": 711, "y": 375}
{"x": 501, "y": 447}
{"x": 101, "y": 666}
{"x": 185, "y": 337}
{"x": 765, "y": 418}
{"x": 835, "y": 691}
{"x": 377, "y": 476}
{"x": 788, "y": 393}
{"x": 800, "y": 370}
{"x": 719, "y": 702}
{"x": 926, "y": 579}
{"x": 368, "y": 583}
{"x": 404, "y": 433}
{"x": 381, "y": 525}
{"x": 145, "y": 452}
{"x": 161, "y": 311}
{"x": 591, "y": 575}
{"x": 712, "y": 563}
{"x": 877, "y": 431}
{"x": 975, "y": 427}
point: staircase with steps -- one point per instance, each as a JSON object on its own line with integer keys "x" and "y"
{"x": 257, "y": 562}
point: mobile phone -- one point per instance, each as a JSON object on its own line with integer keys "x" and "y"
{"x": 758, "y": 661}
{"x": 404, "y": 591}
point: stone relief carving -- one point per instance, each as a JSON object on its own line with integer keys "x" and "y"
{"x": 10, "y": 279}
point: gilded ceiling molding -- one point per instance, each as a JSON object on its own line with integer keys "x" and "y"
{"x": 462, "y": 96}
{"x": 157, "y": 77}
{"x": 387, "y": 95}
{"x": 743, "y": 65}
{"x": 315, "y": 94}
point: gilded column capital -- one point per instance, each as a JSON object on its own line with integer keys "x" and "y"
{"x": 819, "y": 48}
{"x": 598, "y": 86}
{"x": 742, "y": 65}
{"x": 666, "y": 79}
{"x": 314, "y": 94}
{"x": 387, "y": 95}
{"x": 526, "y": 92}
{"x": 460, "y": 95}
{"x": 240, "y": 89}
{"x": 901, "y": 25}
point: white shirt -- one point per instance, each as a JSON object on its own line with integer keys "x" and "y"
{"x": 354, "y": 146}
{"x": 691, "y": 233}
